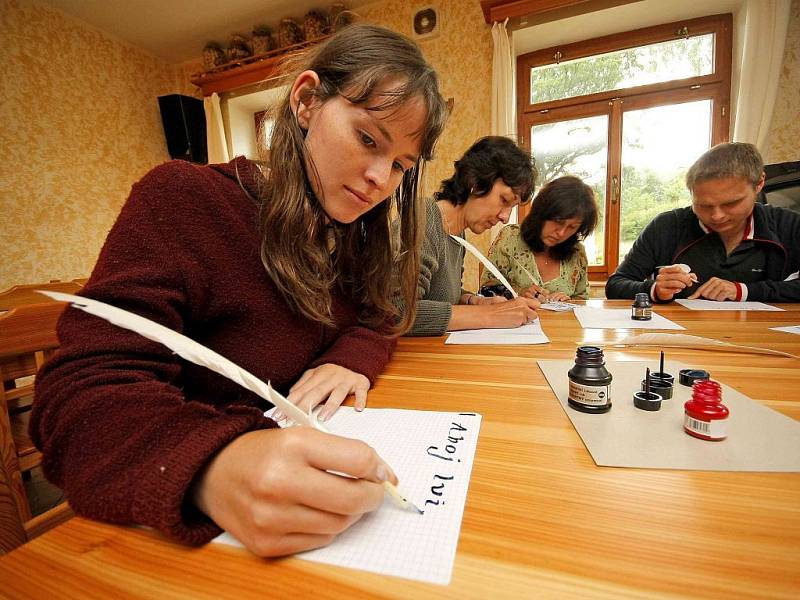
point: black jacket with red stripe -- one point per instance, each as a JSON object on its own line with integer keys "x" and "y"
{"x": 766, "y": 265}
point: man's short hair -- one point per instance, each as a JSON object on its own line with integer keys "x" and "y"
{"x": 731, "y": 159}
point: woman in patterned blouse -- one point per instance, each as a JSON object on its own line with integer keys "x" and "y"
{"x": 543, "y": 257}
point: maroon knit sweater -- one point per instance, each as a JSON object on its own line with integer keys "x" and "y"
{"x": 124, "y": 425}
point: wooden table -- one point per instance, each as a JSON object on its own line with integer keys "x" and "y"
{"x": 541, "y": 519}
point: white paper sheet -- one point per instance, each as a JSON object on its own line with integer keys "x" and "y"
{"x": 790, "y": 329}
{"x": 759, "y": 438}
{"x": 558, "y": 306}
{"x": 432, "y": 454}
{"x": 591, "y": 317}
{"x": 727, "y": 305}
{"x": 527, "y": 334}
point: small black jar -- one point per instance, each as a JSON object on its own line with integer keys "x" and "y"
{"x": 589, "y": 381}
{"x": 642, "y": 308}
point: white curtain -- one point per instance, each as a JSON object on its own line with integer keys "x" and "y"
{"x": 766, "y": 23}
{"x": 215, "y": 131}
{"x": 503, "y": 100}
{"x": 504, "y": 117}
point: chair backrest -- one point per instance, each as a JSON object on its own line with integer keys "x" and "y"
{"x": 27, "y": 338}
{"x": 12, "y": 527}
{"x": 20, "y": 295}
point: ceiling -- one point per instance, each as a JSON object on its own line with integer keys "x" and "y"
{"x": 177, "y": 30}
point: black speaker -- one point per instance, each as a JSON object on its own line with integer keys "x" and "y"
{"x": 184, "y": 123}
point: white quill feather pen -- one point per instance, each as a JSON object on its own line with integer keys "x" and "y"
{"x": 684, "y": 340}
{"x": 198, "y": 354}
{"x": 189, "y": 349}
{"x": 486, "y": 263}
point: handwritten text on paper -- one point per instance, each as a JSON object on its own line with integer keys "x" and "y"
{"x": 446, "y": 452}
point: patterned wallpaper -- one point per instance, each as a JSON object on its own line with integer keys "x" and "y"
{"x": 462, "y": 55}
{"x": 80, "y": 125}
{"x": 785, "y": 129}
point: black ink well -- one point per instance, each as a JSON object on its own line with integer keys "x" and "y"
{"x": 641, "y": 309}
{"x": 588, "y": 381}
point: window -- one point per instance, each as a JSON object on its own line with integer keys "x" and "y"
{"x": 628, "y": 113}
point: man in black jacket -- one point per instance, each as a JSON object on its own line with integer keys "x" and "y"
{"x": 724, "y": 247}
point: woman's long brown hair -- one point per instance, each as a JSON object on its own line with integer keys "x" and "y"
{"x": 368, "y": 265}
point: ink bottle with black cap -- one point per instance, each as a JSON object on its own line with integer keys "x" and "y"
{"x": 589, "y": 381}
{"x": 642, "y": 308}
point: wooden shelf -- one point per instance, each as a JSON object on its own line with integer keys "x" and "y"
{"x": 541, "y": 11}
{"x": 252, "y": 69}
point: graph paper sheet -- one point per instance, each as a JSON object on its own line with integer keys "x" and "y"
{"x": 432, "y": 454}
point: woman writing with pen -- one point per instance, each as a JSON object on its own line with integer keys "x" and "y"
{"x": 544, "y": 258}
{"x": 286, "y": 273}
{"x": 492, "y": 177}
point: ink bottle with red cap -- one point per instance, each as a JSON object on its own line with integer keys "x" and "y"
{"x": 705, "y": 415}
{"x": 589, "y": 381}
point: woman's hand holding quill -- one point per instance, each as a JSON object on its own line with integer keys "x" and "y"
{"x": 293, "y": 441}
{"x": 515, "y": 312}
{"x": 277, "y": 490}
{"x": 486, "y": 263}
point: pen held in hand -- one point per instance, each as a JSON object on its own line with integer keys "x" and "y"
{"x": 539, "y": 292}
{"x": 399, "y": 499}
{"x": 198, "y": 354}
{"x": 311, "y": 421}
{"x": 683, "y": 267}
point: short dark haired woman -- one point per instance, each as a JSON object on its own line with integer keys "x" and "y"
{"x": 492, "y": 177}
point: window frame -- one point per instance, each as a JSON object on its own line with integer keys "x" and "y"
{"x": 715, "y": 86}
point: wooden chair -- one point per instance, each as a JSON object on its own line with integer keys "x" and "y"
{"x": 27, "y": 339}
{"x": 20, "y": 295}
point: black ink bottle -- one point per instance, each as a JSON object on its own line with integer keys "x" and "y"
{"x": 641, "y": 309}
{"x": 588, "y": 381}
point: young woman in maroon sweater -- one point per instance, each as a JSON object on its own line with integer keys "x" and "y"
{"x": 287, "y": 273}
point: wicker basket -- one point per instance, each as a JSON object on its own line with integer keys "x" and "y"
{"x": 289, "y": 33}
{"x": 340, "y": 17}
{"x": 213, "y": 56}
{"x": 315, "y": 25}
{"x": 239, "y": 47}
{"x": 262, "y": 40}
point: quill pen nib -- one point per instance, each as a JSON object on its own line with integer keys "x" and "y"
{"x": 399, "y": 499}
{"x": 415, "y": 507}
